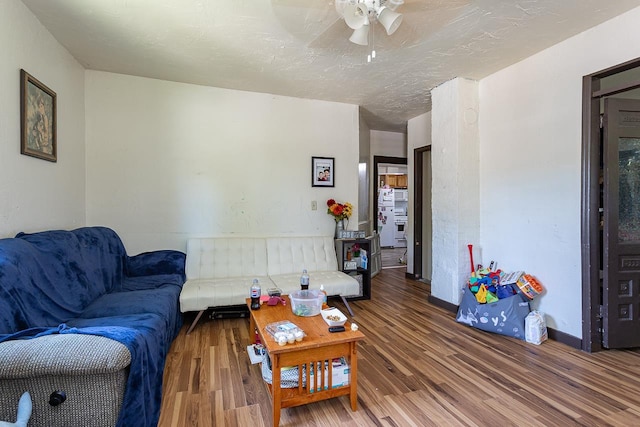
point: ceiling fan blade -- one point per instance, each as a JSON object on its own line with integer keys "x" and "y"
{"x": 422, "y": 6}
{"x": 422, "y": 20}
{"x": 334, "y": 34}
{"x": 304, "y": 20}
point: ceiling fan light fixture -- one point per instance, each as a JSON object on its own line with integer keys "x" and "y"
{"x": 356, "y": 15}
{"x": 361, "y": 35}
{"x": 389, "y": 19}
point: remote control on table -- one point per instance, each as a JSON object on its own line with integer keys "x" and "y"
{"x": 336, "y": 329}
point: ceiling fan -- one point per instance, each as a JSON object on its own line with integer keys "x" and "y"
{"x": 321, "y": 24}
{"x": 359, "y": 15}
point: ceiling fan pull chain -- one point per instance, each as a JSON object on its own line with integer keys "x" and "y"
{"x": 373, "y": 44}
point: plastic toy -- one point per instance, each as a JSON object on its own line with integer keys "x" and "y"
{"x": 481, "y": 295}
{"x": 491, "y": 297}
{"x": 529, "y": 286}
{"x": 24, "y": 412}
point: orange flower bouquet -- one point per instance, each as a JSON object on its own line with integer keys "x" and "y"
{"x": 339, "y": 211}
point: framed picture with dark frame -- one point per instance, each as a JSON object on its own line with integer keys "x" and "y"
{"x": 323, "y": 172}
{"x": 37, "y": 119}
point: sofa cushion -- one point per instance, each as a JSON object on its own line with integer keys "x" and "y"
{"x": 155, "y": 263}
{"x": 201, "y": 294}
{"x": 92, "y": 256}
{"x": 151, "y": 282}
{"x": 50, "y": 277}
{"x": 291, "y": 255}
{"x": 165, "y": 306}
{"x": 215, "y": 258}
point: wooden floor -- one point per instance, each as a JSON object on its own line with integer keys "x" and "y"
{"x": 417, "y": 367}
{"x": 394, "y": 257}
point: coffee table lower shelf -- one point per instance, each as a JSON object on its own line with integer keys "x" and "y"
{"x": 303, "y": 394}
{"x": 291, "y": 397}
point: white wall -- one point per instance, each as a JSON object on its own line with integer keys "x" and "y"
{"x": 365, "y": 194}
{"x": 385, "y": 144}
{"x": 455, "y": 153}
{"x": 530, "y": 131}
{"x": 418, "y": 135}
{"x": 389, "y": 144}
{"x": 168, "y": 160}
{"x": 36, "y": 194}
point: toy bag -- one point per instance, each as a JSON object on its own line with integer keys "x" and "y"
{"x": 505, "y": 316}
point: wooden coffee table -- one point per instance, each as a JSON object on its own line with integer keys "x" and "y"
{"x": 318, "y": 346}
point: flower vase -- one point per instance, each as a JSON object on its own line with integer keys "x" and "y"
{"x": 339, "y": 229}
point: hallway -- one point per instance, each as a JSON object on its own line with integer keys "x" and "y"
{"x": 394, "y": 257}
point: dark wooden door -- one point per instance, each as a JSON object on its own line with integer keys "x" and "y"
{"x": 621, "y": 228}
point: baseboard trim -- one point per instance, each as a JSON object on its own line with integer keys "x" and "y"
{"x": 443, "y": 304}
{"x": 564, "y": 338}
{"x": 410, "y": 276}
{"x": 553, "y": 334}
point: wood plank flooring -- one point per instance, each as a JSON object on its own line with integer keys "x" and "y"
{"x": 394, "y": 257}
{"x": 417, "y": 367}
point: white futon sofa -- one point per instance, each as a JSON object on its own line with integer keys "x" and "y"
{"x": 220, "y": 270}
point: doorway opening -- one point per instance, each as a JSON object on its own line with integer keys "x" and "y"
{"x": 390, "y": 200}
{"x": 610, "y": 255}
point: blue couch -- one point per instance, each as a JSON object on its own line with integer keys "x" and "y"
{"x": 77, "y": 312}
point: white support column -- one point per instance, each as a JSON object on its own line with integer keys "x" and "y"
{"x": 455, "y": 187}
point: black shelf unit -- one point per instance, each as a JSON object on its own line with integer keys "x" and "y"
{"x": 363, "y": 275}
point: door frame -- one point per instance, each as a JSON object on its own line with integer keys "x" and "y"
{"x": 376, "y": 180}
{"x": 418, "y": 204}
{"x": 590, "y": 216}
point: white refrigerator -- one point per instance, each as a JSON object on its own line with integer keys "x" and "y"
{"x": 386, "y": 217}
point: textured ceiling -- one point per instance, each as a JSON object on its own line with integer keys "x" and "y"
{"x": 300, "y": 48}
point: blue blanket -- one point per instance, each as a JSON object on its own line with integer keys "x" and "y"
{"x": 82, "y": 281}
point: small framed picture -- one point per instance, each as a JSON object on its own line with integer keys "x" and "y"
{"x": 350, "y": 265}
{"x": 37, "y": 119}
{"x": 322, "y": 172}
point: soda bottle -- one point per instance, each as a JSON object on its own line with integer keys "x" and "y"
{"x": 255, "y": 295}
{"x": 304, "y": 280}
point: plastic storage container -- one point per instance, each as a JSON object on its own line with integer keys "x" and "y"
{"x": 306, "y": 303}
{"x": 285, "y": 332}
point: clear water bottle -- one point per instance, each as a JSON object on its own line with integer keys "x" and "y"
{"x": 255, "y": 295}
{"x": 323, "y": 293}
{"x": 304, "y": 280}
